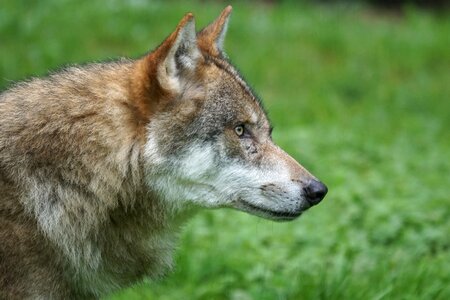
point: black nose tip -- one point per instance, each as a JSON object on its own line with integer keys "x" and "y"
{"x": 315, "y": 191}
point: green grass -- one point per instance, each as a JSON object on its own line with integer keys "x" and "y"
{"x": 361, "y": 98}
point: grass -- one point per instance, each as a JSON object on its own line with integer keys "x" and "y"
{"x": 360, "y": 97}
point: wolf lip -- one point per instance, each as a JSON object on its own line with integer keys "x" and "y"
{"x": 287, "y": 215}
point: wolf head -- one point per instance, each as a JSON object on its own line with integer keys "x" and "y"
{"x": 208, "y": 140}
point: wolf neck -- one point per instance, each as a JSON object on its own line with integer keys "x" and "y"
{"x": 134, "y": 243}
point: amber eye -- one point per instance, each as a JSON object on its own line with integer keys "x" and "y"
{"x": 239, "y": 130}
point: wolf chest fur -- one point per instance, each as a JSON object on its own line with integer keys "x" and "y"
{"x": 100, "y": 165}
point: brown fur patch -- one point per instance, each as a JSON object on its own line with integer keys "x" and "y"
{"x": 208, "y": 38}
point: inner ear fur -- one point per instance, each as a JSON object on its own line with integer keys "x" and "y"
{"x": 162, "y": 74}
{"x": 178, "y": 55}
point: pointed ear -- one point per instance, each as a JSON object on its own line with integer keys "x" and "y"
{"x": 177, "y": 57}
{"x": 212, "y": 37}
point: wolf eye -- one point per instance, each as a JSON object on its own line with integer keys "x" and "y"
{"x": 239, "y": 130}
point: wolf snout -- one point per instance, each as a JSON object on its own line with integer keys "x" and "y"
{"x": 315, "y": 191}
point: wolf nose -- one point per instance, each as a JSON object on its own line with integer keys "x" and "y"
{"x": 315, "y": 191}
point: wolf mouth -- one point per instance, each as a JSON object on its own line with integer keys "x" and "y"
{"x": 277, "y": 214}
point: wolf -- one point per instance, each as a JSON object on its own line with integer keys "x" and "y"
{"x": 101, "y": 164}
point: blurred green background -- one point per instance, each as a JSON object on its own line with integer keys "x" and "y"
{"x": 359, "y": 95}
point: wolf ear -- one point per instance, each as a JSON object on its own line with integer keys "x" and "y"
{"x": 177, "y": 57}
{"x": 212, "y": 37}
